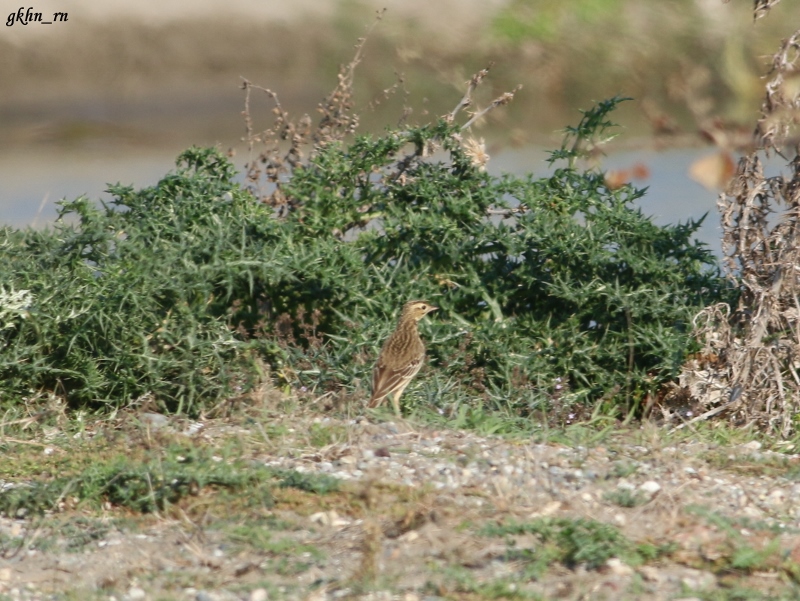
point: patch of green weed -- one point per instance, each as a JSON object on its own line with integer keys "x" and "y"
{"x": 461, "y": 584}
{"x": 315, "y": 483}
{"x": 321, "y": 435}
{"x": 623, "y": 469}
{"x": 624, "y": 497}
{"x": 743, "y": 554}
{"x": 569, "y": 541}
{"x": 79, "y": 532}
{"x": 150, "y": 483}
{"x": 287, "y": 556}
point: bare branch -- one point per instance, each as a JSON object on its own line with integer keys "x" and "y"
{"x": 472, "y": 84}
{"x": 762, "y": 7}
{"x": 754, "y": 378}
{"x": 499, "y": 101}
{"x": 509, "y": 212}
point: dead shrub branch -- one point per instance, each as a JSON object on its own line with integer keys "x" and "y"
{"x": 762, "y": 7}
{"x": 748, "y": 369}
{"x": 275, "y": 152}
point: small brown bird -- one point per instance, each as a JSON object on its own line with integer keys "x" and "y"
{"x": 401, "y": 356}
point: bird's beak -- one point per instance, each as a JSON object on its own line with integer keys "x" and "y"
{"x": 432, "y": 309}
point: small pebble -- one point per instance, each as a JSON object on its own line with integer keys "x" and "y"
{"x": 259, "y": 594}
{"x": 651, "y": 487}
{"x": 616, "y": 566}
{"x": 135, "y": 593}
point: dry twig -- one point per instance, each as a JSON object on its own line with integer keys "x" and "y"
{"x": 756, "y": 347}
{"x": 762, "y": 7}
{"x": 288, "y": 144}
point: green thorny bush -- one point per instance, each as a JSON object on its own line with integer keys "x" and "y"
{"x": 554, "y": 292}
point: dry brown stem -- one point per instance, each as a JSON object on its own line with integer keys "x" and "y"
{"x": 422, "y": 151}
{"x": 466, "y": 100}
{"x": 275, "y": 152}
{"x": 762, "y": 7}
{"x": 501, "y": 100}
{"x": 748, "y": 369}
{"x": 287, "y": 143}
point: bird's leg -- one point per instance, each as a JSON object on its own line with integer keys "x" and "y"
{"x": 396, "y": 403}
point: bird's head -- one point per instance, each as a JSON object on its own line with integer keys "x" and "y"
{"x": 416, "y": 310}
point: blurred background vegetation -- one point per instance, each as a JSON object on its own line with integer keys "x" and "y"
{"x": 150, "y": 75}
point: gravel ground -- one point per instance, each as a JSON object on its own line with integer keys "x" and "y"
{"x": 707, "y": 500}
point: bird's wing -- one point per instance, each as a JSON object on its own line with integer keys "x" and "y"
{"x": 387, "y": 379}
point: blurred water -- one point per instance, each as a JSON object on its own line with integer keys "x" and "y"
{"x": 33, "y": 179}
{"x": 671, "y": 197}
